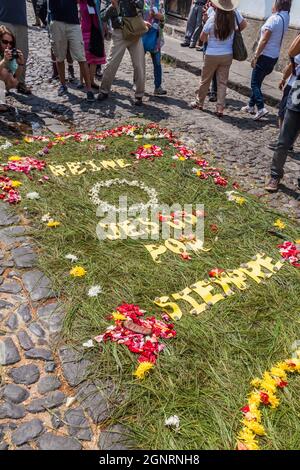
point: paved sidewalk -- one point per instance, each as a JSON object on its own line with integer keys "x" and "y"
{"x": 240, "y": 72}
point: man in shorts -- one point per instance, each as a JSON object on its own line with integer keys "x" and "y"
{"x": 65, "y": 31}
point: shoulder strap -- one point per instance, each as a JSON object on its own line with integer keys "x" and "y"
{"x": 283, "y": 25}
{"x": 237, "y": 21}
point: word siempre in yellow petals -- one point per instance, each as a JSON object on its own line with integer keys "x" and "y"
{"x": 258, "y": 269}
{"x": 78, "y": 168}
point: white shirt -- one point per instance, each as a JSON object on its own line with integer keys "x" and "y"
{"x": 293, "y": 78}
{"x": 278, "y": 24}
{"x": 214, "y": 45}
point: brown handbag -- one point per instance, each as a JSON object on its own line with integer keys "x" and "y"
{"x": 133, "y": 27}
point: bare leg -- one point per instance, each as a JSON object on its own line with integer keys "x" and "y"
{"x": 61, "y": 72}
{"x": 92, "y": 68}
{"x": 84, "y": 70}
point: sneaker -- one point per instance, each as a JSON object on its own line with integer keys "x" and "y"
{"x": 261, "y": 113}
{"x": 272, "y": 184}
{"x": 212, "y": 98}
{"x": 195, "y": 105}
{"x": 199, "y": 48}
{"x": 159, "y": 91}
{"x": 138, "y": 101}
{"x": 62, "y": 90}
{"x": 102, "y": 96}
{"x": 248, "y": 109}
{"x": 185, "y": 44}
{"x": 192, "y": 46}
{"x": 90, "y": 96}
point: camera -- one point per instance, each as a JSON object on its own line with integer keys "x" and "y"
{"x": 15, "y": 53}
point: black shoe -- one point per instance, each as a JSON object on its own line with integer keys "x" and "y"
{"x": 138, "y": 101}
{"x": 212, "y": 98}
{"x": 185, "y": 44}
{"x": 90, "y": 97}
{"x": 102, "y": 96}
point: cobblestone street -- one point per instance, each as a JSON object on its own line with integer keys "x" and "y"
{"x": 239, "y": 143}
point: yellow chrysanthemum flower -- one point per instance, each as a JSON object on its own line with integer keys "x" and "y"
{"x": 254, "y": 426}
{"x": 278, "y": 372}
{"x": 274, "y": 401}
{"x": 14, "y": 158}
{"x": 199, "y": 173}
{"x": 53, "y": 223}
{"x": 297, "y": 242}
{"x": 255, "y": 382}
{"x": 16, "y": 184}
{"x": 118, "y": 316}
{"x": 78, "y": 271}
{"x": 142, "y": 369}
{"x": 278, "y": 223}
{"x": 240, "y": 200}
{"x": 138, "y": 136}
{"x": 248, "y": 438}
{"x": 282, "y": 365}
{"x": 28, "y": 140}
{"x": 268, "y": 383}
{"x": 254, "y": 399}
{"x": 181, "y": 158}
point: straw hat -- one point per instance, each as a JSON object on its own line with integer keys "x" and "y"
{"x": 226, "y": 5}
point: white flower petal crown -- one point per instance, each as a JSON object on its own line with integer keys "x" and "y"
{"x": 153, "y": 200}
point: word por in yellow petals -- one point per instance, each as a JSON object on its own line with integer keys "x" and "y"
{"x": 264, "y": 394}
{"x": 175, "y": 246}
{"x": 78, "y": 168}
{"x": 258, "y": 269}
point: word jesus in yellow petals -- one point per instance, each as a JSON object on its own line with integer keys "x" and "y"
{"x": 204, "y": 294}
{"x": 78, "y": 168}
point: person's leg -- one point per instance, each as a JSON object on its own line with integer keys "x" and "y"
{"x": 209, "y": 68}
{"x": 59, "y": 44}
{"x": 198, "y": 26}
{"x": 116, "y": 54}
{"x": 54, "y": 66}
{"x": 76, "y": 46}
{"x": 265, "y": 66}
{"x": 3, "y": 105}
{"x": 92, "y": 70}
{"x": 288, "y": 135}
{"x": 71, "y": 73}
{"x": 137, "y": 54}
{"x": 222, "y": 80}
{"x": 190, "y": 26}
{"x": 157, "y": 69}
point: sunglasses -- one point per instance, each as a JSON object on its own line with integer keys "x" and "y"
{"x": 5, "y": 42}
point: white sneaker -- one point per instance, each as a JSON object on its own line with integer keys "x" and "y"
{"x": 248, "y": 109}
{"x": 261, "y": 113}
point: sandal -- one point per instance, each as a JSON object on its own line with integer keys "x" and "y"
{"x": 23, "y": 89}
{"x": 196, "y": 105}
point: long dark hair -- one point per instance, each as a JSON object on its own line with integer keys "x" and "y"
{"x": 283, "y": 5}
{"x": 224, "y": 24}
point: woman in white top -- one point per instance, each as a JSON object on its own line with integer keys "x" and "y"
{"x": 218, "y": 32}
{"x": 266, "y": 55}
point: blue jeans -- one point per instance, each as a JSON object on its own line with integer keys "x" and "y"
{"x": 156, "y": 59}
{"x": 264, "y": 66}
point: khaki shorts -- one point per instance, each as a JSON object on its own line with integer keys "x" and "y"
{"x": 63, "y": 35}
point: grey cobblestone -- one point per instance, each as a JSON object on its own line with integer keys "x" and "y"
{"x": 27, "y": 374}
{"x": 25, "y": 340}
{"x": 14, "y": 393}
{"x": 27, "y": 431}
{"x": 9, "y": 354}
{"x": 50, "y": 441}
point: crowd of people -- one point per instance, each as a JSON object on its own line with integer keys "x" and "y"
{"x": 78, "y": 29}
